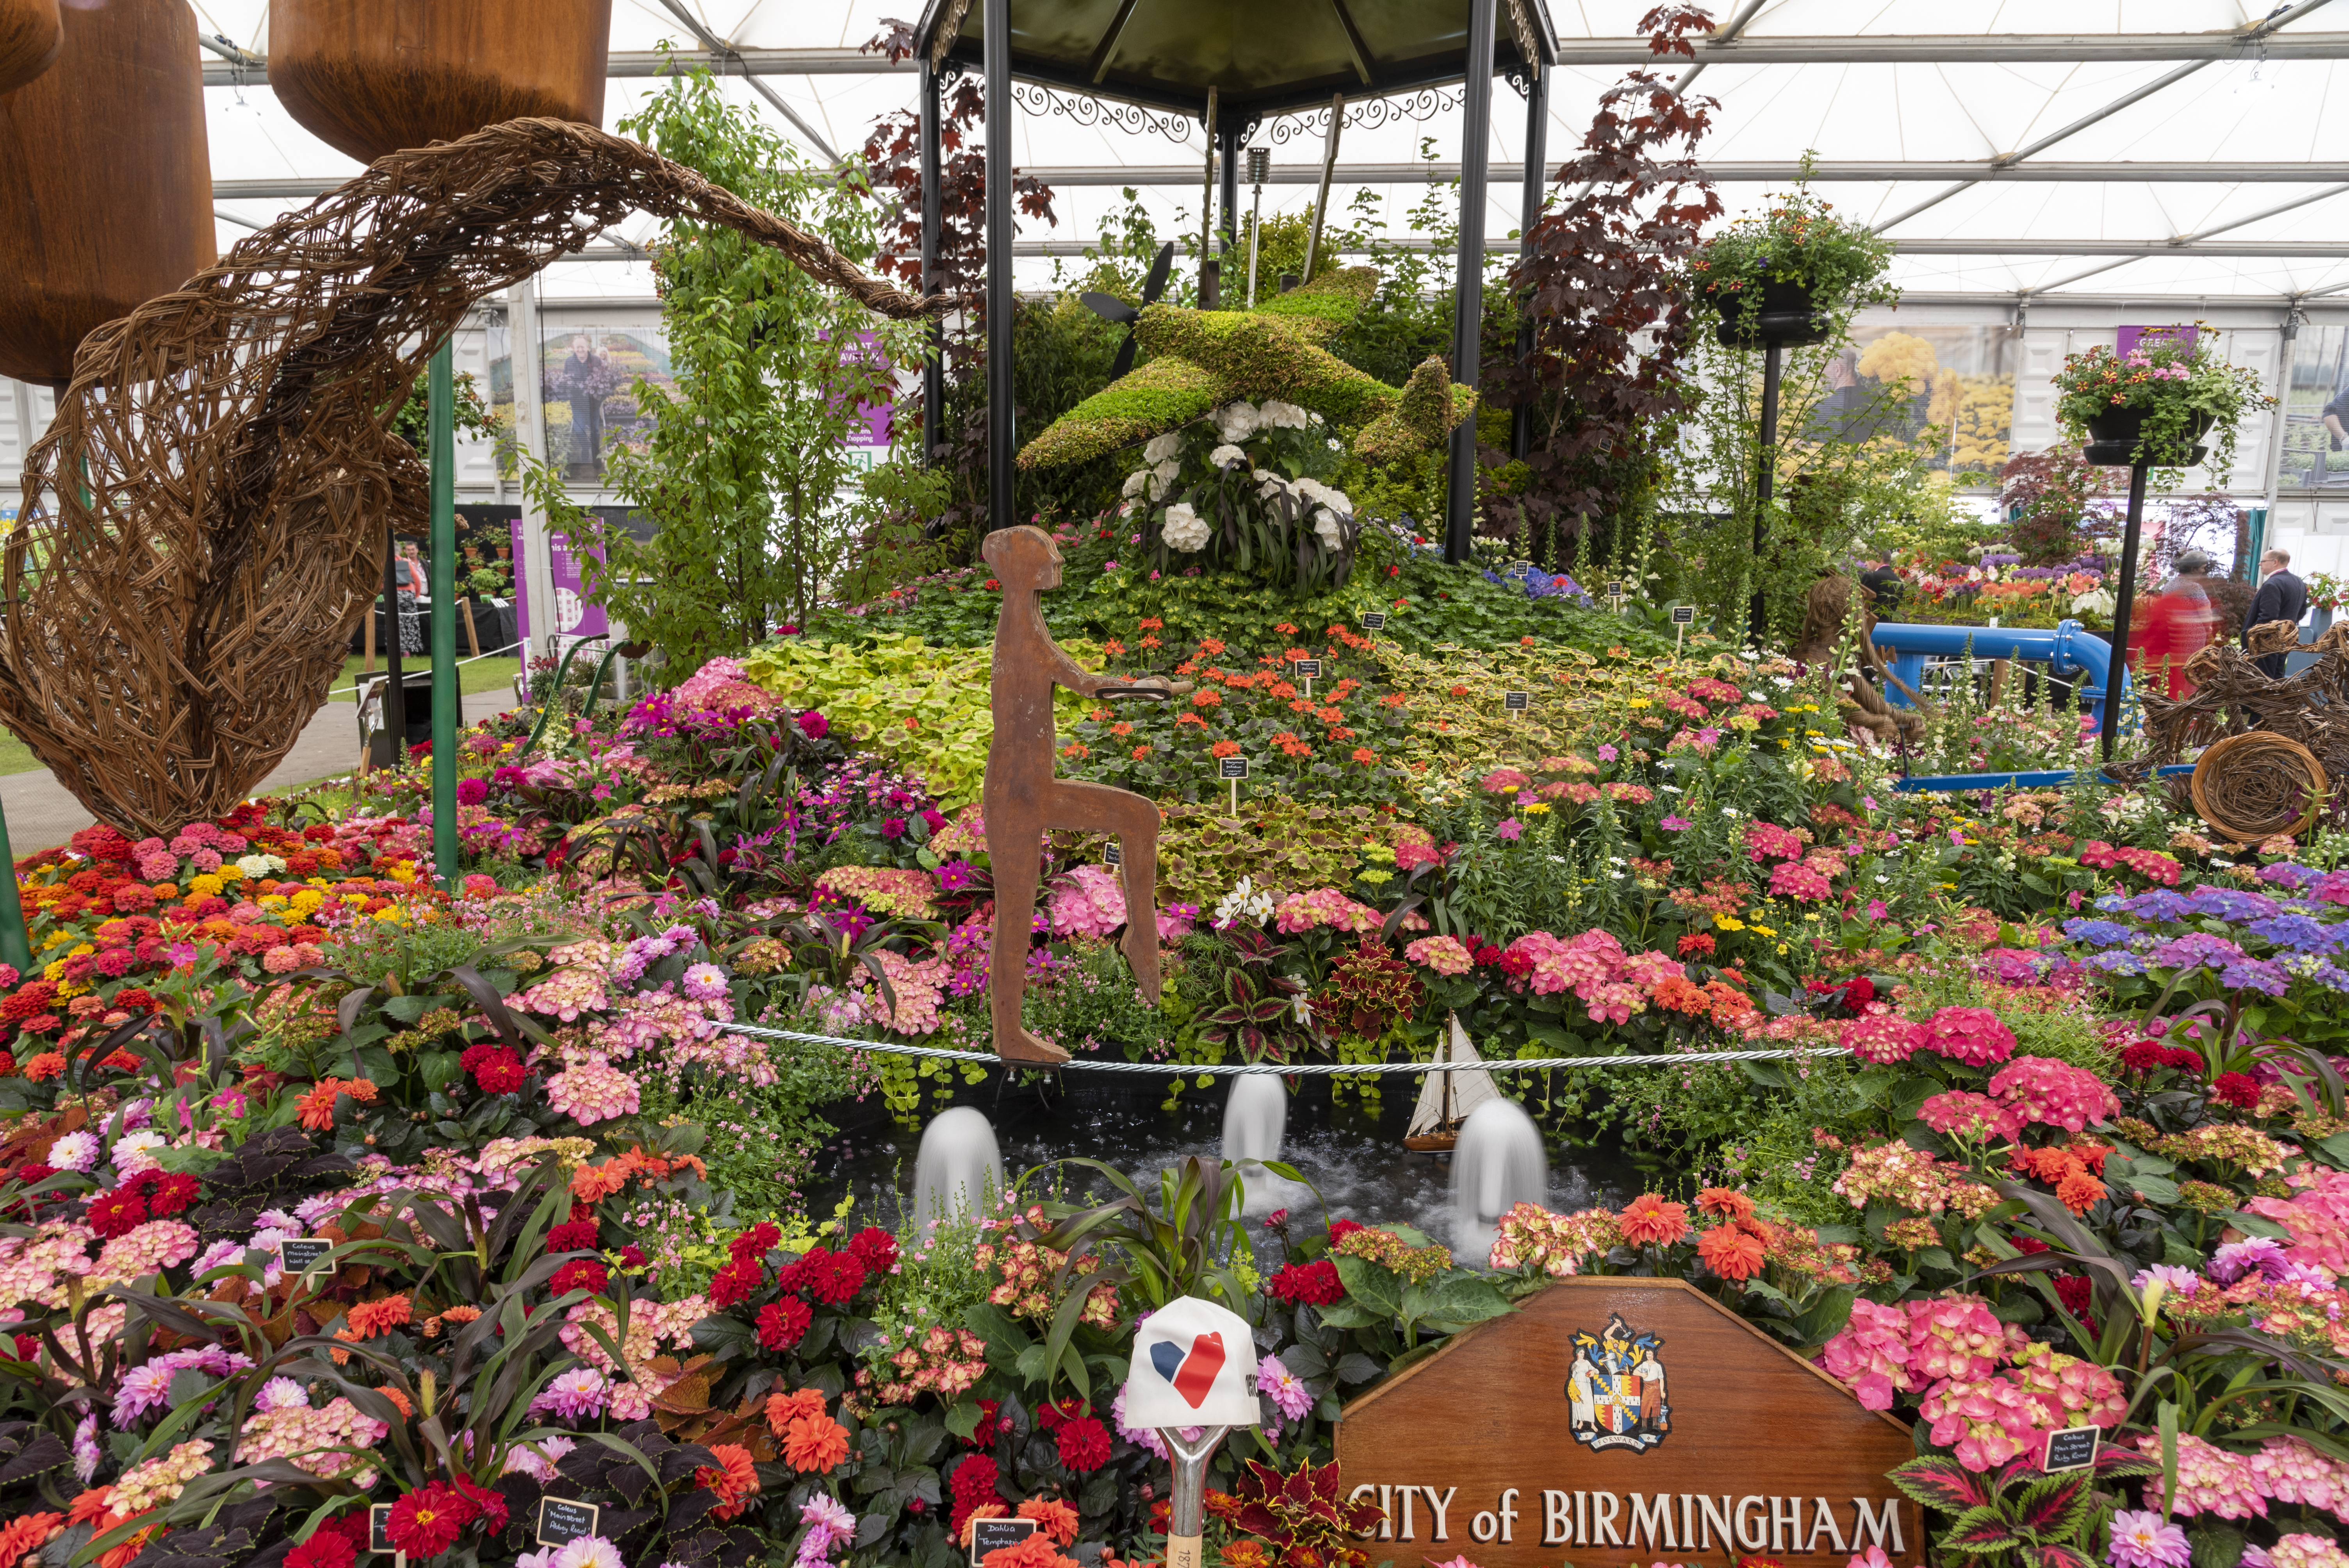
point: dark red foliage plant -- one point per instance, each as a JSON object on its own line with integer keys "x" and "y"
{"x": 1612, "y": 318}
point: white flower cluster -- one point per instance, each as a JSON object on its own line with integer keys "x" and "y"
{"x": 1330, "y": 506}
{"x": 1184, "y": 529}
{"x": 1181, "y": 527}
{"x": 1245, "y": 903}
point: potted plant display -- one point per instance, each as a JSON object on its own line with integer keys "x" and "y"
{"x": 2154, "y": 403}
{"x": 1776, "y": 274}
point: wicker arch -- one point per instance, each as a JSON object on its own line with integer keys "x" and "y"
{"x": 199, "y": 524}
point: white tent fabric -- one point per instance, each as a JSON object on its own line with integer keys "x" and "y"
{"x": 2239, "y": 110}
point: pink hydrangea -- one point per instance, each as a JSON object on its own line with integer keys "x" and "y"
{"x": 1792, "y": 879}
{"x": 1504, "y": 778}
{"x": 1445, "y": 955}
{"x": 2042, "y": 1089}
{"x": 1974, "y": 1117}
{"x": 1088, "y": 902}
{"x": 1958, "y": 1336}
{"x": 1883, "y": 1039}
{"x": 1768, "y": 839}
{"x": 2301, "y": 1550}
{"x": 2211, "y": 1480}
{"x": 916, "y": 988}
{"x": 593, "y": 1091}
{"x": 2289, "y": 1471}
{"x": 1325, "y": 907}
{"x": 2317, "y": 1219}
{"x": 150, "y": 1248}
{"x": 1872, "y": 1353}
{"x": 1969, "y": 1035}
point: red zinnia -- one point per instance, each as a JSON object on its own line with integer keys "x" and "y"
{"x": 1315, "y": 1283}
{"x": 875, "y": 1248}
{"x": 1084, "y": 1444}
{"x": 580, "y": 1274}
{"x": 326, "y": 1549}
{"x": 115, "y": 1213}
{"x": 838, "y": 1281}
{"x": 425, "y": 1522}
{"x": 2237, "y": 1090}
{"x": 571, "y": 1236}
{"x": 781, "y": 1324}
{"x": 735, "y": 1283}
{"x": 170, "y": 1194}
{"x": 755, "y": 1242}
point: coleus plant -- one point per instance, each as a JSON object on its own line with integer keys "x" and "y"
{"x": 2020, "y": 1512}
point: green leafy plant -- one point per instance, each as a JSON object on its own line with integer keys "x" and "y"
{"x": 1796, "y": 239}
{"x": 2020, "y": 1514}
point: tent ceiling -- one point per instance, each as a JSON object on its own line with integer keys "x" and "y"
{"x": 1903, "y": 101}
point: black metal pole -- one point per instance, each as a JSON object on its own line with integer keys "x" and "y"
{"x": 2124, "y": 600}
{"x": 1002, "y": 429}
{"x": 1764, "y": 481}
{"x": 1227, "y": 177}
{"x": 1468, "y": 284}
{"x": 934, "y": 373}
{"x": 1521, "y": 419}
{"x": 395, "y": 696}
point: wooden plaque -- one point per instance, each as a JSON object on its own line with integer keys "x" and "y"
{"x": 1621, "y": 1421}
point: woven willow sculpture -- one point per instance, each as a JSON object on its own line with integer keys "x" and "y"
{"x": 201, "y": 523}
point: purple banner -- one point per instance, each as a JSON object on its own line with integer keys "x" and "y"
{"x": 2129, "y": 337}
{"x": 573, "y": 616}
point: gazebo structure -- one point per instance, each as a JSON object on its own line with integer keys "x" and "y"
{"x": 1231, "y": 65}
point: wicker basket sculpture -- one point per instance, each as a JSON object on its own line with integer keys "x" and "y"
{"x": 201, "y": 522}
{"x": 2257, "y": 786}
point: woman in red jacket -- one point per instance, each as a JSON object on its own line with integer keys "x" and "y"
{"x": 2172, "y": 625}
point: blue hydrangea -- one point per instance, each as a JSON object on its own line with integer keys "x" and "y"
{"x": 2097, "y": 932}
{"x": 2299, "y": 934}
{"x": 2256, "y": 975}
{"x": 2196, "y": 950}
{"x": 2116, "y": 961}
{"x": 2162, "y": 904}
{"x": 2230, "y": 905}
{"x": 2284, "y": 873}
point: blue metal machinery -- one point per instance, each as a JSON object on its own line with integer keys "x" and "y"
{"x": 2068, "y": 649}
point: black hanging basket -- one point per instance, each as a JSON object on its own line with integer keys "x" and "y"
{"x": 1785, "y": 317}
{"x": 2112, "y": 441}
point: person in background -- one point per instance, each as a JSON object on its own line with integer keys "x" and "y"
{"x": 407, "y": 578}
{"x": 2282, "y": 597}
{"x": 2173, "y": 624}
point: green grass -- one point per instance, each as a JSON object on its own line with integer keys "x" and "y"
{"x": 486, "y": 675}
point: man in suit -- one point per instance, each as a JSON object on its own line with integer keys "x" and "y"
{"x": 2282, "y": 597}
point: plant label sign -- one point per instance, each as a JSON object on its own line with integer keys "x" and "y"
{"x": 1521, "y": 570}
{"x": 2075, "y": 1448}
{"x": 1683, "y": 614}
{"x": 994, "y": 1534}
{"x": 308, "y": 1256}
{"x": 561, "y": 1522}
{"x": 379, "y": 1528}
{"x": 1231, "y": 766}
{"x": 1308, "y": 669}
{"x": 1615, "y": 1421}
{"x": 1516, "y": 701}
{"x": 1374, "y": 620}
{"x": 1113, "y": 853}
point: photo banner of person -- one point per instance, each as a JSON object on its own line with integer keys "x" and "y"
{"x": 1957, "y": 409}
{"x": 2316, "y": 410}
{"x": 588, "y": 374}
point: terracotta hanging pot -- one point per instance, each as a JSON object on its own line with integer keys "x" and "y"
{"x": 106, "y": 178}
{"x": 29, "y": 32}
{"x": 372, "y": 76}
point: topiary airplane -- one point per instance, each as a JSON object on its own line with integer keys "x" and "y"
{"x": 1206, "y": 358}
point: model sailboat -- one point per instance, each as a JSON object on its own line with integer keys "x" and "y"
{"x": 1457, "y": 1084}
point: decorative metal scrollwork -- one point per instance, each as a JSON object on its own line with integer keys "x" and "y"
{"x": 1369, "y": 114}
{"x": 1520, "y": 79}
{"x": 1087, "y": 111}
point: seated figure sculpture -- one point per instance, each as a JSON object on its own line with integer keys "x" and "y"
{"x": 1021, "y": 797}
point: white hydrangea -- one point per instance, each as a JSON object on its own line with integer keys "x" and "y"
{"x": 1325, "y": 527}
{"x": 1227, "y": 455}
{"x": 259, "y": 865}
{"x": 1135, "y": 482}
{"x": 1238, "y": 421}
{"x": 1163, "y": 447}
{"x": 1313, "y": 490}
{"x": 1184, "y": 529}
{"x": 1280, "y": 415}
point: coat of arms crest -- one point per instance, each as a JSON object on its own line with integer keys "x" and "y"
{"x": 1615, "y": 1393}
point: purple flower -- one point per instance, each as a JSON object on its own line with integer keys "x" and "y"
{"x": 1608, "y": 754}
{"x": 705, "y": 981}
{"x": 955, "y": 875}
{"x": 472, "y": 791}
{"x": 2179, "y": 1281}
{"x": 508, "y": 778}
{"x": 181, "y": 953}
{"x": 814, "y": 725}
{"x": 573, "y": 1394}
{"x": 2143, "y": 1539}
{"x": 893, "y": 827}
{"x": 1512, "y": 828}
{"x": 2097, "y": 932}
{"x": 1675, "y": 824}
{"x": 2256, "y": 1254}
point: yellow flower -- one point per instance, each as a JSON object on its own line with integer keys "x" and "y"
{"x": 1727, "y": 922}
{"x": 355, "y": 899}
{"x": 403, "y": 871}
{"x": 1535, "y": 808}
{"x": 204, "y": 884}
{"x": 394, "y": 915}
{"x": 80, "y": 950}
{"x": 1637, "y": 702}
{"x": 230, "y": 871}
{"x": 54, "y": 969}
{"x": 308, "y": 898}
{"x": 1764, "y": 930}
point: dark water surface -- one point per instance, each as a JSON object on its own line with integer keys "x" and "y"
{"x": 1353, "y": 1154}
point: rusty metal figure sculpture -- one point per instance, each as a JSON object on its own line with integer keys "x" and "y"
{"x": 1021, "y": 799}
{"x": 201, "y": 524}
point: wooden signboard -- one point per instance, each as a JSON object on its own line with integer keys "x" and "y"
{"x": 1621, "y": 1421}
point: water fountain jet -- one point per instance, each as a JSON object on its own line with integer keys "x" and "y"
{"x": 1498, "y": 1163}
{"x": 959, "y": 1169}
{"x": 1256, "y": 1119}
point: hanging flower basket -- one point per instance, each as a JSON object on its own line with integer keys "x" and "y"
{"x": 2153, "y": 405}
{"x": 1755, "y": 313}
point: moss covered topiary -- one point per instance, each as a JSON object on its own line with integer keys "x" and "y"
{"x": 1161, "y": 396}
{"x": 1202, "y": 360}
